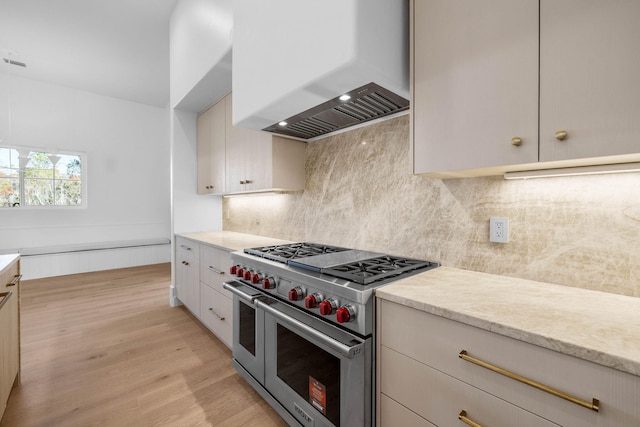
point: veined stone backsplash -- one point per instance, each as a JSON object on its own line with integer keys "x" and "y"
{"x": 574, "y": 231}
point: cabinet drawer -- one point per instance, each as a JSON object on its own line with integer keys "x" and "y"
{"x": 187, "y": 250}
{"x": 8, "y": 278}
{"x": 394, "y": 414}
{"x": 440, "y": 398}
{"x": 214, "y": 268}
{"x": 216, "y": 312}
{"x": 437, "y": 342}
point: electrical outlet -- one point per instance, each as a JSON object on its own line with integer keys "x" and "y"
{"x": 499, "y": 230}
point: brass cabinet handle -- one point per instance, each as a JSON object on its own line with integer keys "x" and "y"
{"x": 185, "y": 247}
{"x": 217, "y": 315}
{"x": 5, "y": 297}
{"x": 249, "y": 181}
{"x": 215, "y": 270}
{"x": 243, "y": 182}
{"x": 15, "y": 280}
{"x": 594, "y": 405}
{"x": 517, "y": 141}
{"x": 209, "y": 187}
{"x": 185, "y": 263}
{"x": 462, "y": 416}
{"x": 561, "y": 135}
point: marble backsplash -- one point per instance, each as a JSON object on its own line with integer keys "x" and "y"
{"x": 574, "y": 231}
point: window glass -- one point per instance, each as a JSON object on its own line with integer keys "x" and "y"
{"x": 48, "y": 179}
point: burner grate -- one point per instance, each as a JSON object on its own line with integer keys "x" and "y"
{"x": 283, "y": 253}
{"x": 375, "y": 269}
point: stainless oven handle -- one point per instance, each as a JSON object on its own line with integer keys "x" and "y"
{"x": 348, "y": 351}
{"x": 234, "y": 288}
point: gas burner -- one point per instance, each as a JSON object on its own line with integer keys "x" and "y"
{"x": 375, "y": 269}
{"x": 283, "y": 253}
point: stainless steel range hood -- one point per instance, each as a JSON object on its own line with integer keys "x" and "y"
{"x": 366, "y": 103}
{"x": 293, "y": 60}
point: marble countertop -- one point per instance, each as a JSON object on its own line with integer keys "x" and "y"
{"x": 596, "y": 326}
{"x": 230, "y": 240}
{"x": 6, "y": 260}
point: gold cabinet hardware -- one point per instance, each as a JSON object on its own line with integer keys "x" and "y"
{"x": 4, "y": 297}
{"x": 185, "y": 247}
{"x": 217, "y": 315}
{"x": 209, "y": 187}
{"x": 215, "y": 270}
{"x": 462, "y": 416}
{"x": 517, "y": 141}
{"x": 185, "y": 263}
{"x": 594, "y": 405}
{"x": 561, "y": 135}
{"x": 243, "y": 182}
{"x": 15, "y": 280}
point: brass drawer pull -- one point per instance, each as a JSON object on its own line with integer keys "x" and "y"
{"x": 463, "y": 417}
{"x": 5, "y": 297}
{"x": 15, "y": 280}
{"x": 215, "y": 270}
{"x": 217, "y": 315}
{"x": 185, "y": 247}
{"x": 594, "y": 405}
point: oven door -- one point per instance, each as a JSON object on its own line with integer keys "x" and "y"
{"x": 318, "y": 372}
{"x": 248, "y": 329}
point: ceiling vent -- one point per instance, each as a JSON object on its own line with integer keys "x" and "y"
{"x": 366, "y": 103}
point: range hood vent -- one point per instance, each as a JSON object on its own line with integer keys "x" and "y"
{"x": 366, "y": 103}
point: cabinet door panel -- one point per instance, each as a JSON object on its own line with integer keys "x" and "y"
{"x": 589, "y": 68}
{"x": 217, "y": 313}
{"x": 188, "y": 274}
{"x": 475, "y": 83}
{"x": 214, "y": 268}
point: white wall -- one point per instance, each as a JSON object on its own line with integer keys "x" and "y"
{"x": 127, "y": 170}
{"x": 200, "y": 51}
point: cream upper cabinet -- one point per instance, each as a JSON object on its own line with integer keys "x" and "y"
{"x": 475, "y": 83}
{"x": 589, "y": 68}
{"x": 260, "y": 161}
{"x": 478, "y": 68}
{"x": 235, "y": 160}
{"x": 211, "y": 149}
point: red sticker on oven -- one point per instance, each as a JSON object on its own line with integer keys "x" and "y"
{"x": 318, "y": 395}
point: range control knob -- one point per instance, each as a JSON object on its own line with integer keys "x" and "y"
{"x": 240, "y": 272}
{"x": 233, "y": 270}
{"x": 247, "y": 275}
{"x": 296, "y": 293}
{"x": 312, "y": 300}
{"x": 345, "y": 314}
{"x": 269, "y": 283}
{"x": 257, "y": 278}
{"x": 328, "y": 306}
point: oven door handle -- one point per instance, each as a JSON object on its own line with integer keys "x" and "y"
{"x": 349, "y": 351}
{"x": 236, "y": 289}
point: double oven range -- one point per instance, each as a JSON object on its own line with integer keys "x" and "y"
{"x": 304, "y": 325}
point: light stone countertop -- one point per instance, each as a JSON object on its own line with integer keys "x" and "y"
{"x": 230, "y": 240}
{"x": 6, "y": 260}
{"x": 596, "y": 326}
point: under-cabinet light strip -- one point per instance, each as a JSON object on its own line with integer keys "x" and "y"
{"x": 574, "y": 171}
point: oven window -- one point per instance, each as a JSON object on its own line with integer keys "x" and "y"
{"x": 248, "y": 328}
{"x": 310, "y": 371}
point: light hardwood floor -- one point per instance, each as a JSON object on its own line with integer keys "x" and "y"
{"x": 106, "y": 349}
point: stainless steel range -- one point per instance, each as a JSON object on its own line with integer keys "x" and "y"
{"x": 304, "y": 326}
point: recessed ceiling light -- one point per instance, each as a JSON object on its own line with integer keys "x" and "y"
{"x": 283, "y": 123}
{"x": 345, "y": 97}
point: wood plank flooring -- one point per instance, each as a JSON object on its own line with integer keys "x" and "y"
{"x": 106, "y": 349}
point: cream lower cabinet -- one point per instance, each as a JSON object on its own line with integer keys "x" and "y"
{"x": 421, "y": 377}
{"x": 216, "y": 303}
{"x": 188, "y": 274}
{"x": 9, "y": 331}
{"x": 478, "y": 68}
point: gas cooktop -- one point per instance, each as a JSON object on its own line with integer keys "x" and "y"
{"x": 357, "y": 266}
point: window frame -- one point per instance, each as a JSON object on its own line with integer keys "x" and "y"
{"x": 49, "y": 151}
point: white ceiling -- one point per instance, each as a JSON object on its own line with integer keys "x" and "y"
{"x": 118, "y": 48}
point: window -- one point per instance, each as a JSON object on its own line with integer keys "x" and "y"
{"x": 30, "y": 177}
